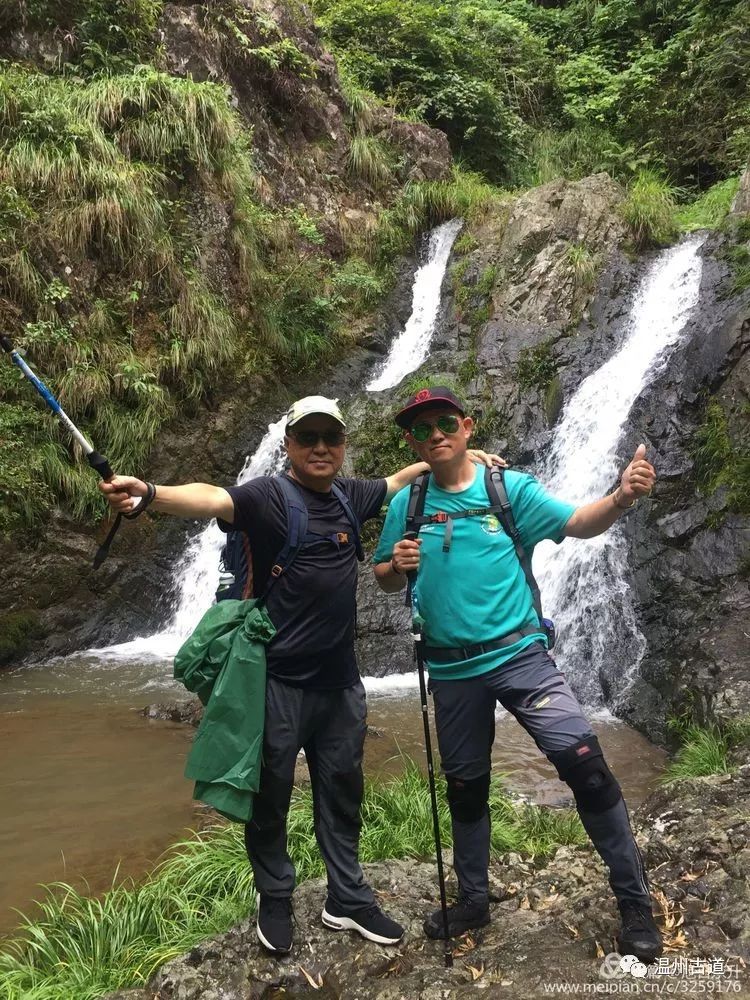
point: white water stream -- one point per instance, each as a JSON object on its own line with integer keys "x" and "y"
{"x": 584, "y": 583}
{"x": 198, "y": 571}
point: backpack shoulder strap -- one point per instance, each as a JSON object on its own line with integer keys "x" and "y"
{"x": 351, "y": 517}
{"x": 494, "y": 481}
{"x": 415, "y": 505}
{"x": 296, "y": 529}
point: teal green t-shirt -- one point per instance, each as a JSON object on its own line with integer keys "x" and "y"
{"x": 477, "y": 591}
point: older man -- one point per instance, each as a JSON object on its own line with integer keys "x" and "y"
{"x": 486, "y": 643}
{"x": 315, "y": 698}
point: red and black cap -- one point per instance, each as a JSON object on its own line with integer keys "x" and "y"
{"x": 428, "y": 399}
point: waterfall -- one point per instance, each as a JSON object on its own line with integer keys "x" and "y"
{"x": 197, "y": 574}
{"x": 412, "y": 346}
{"x": 584, "y": 583}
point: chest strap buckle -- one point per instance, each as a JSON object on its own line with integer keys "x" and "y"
{"x": 440, "y": 518}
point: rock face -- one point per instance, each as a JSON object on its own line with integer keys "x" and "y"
{"x": 689, "y": 549}
{"x": 552, "y": 922}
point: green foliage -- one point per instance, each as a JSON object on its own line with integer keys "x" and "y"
{"x": 649, "y": 210}
{"x": 583, "y": 264}
{"x": 708, "y": 210}
{"x": 721, "y": 462}
{"x": 527, "y": 92}
{"x": 469, "y": 69}
{"x": 705, "y": 750}
{"x": 359, "y": 285}
{"x": 737, "y": 254}
{"x": 254, "y": 37}
{"x": 109, "y": 35}
{"x": 369, "y": 160}
{"x": 82, "y": 947}
{"x": 115, "y": 174}
{"x": 536, "y": 367}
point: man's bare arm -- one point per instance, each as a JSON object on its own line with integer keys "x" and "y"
{"x": 593, "y": 518}
{"x": 190, "y": 500}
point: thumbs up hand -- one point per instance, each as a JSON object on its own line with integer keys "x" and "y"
{"x": 639, "y": 477}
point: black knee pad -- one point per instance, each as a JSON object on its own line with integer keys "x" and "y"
{"x": 585, "y": 770}
{"x": 468, "y": 797}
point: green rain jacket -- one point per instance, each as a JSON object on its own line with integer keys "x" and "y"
{"x": 224, "y": 663}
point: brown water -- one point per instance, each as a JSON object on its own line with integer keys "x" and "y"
{"x": 88, "y": 784}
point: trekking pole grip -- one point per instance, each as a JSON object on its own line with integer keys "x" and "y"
{"x": 411, "y": 578}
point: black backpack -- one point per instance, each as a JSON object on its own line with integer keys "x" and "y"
{"x": 236, "y": 555}
{"x": 494, "y": 483}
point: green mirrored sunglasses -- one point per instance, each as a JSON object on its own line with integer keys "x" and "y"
{"x": 447, "y": 423}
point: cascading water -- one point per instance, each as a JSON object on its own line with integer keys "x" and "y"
{"x": 584, "y": 582}
{"x": 198, "y": 572}
{"x": 412, "y": 346}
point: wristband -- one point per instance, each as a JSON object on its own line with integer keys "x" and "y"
{"x": 615, "y": 497}
{"x": 150, "y": 494}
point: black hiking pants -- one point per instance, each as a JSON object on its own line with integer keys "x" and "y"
{"x": 532, "y": 689}
{"x": 330, "y": 726}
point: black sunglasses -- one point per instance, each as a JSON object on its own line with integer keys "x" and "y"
{"x": 446, "y": 423}
{"x": 308, "y": 439}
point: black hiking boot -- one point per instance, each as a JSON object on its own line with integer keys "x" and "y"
{"x": 639, "y": 935}
{"x": 465, "y": 915}
{"x": 274, "y": 927}
{"x": 369, "y": 921}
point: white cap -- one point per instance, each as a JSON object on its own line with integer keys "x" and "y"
{"x": 314, "y": 404}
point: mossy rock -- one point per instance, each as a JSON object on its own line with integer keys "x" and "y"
{"x": 17, "y": 628}
{"x": 553, "y": 401}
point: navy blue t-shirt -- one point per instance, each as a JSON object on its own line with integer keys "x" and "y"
{"x": 312, "y": 604}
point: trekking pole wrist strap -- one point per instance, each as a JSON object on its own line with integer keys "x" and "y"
{"x": 143, "y": 503}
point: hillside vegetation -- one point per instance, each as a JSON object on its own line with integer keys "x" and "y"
{"x": 168, "y": 237}
{"x": 528, "y": 90}
{"x": 154, "y": 252}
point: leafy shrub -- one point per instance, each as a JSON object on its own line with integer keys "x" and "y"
{"x": 536, "y": 367}
{"x": 649, "y": 210}
{"x": 720, "y": 461}
{"x": 710, "y": 209}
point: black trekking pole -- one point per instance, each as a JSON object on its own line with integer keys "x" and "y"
{"x": 97, "y": 462}
{"x": 418, "y": 637}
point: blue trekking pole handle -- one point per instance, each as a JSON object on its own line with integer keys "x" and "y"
{"x": 97, "y": 462}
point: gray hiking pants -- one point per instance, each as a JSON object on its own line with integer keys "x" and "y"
{"x": 532, "y": 689}
{"x": 330, "y": 726}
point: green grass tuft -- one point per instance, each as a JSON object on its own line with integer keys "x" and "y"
{"x": 709, "y": 210}
{"x": 370, "y": 160}
{"x": 703, "y": 752}
{"x": 650, "y": 211}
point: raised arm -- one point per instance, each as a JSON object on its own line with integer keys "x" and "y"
{"x": 190, "y": 500}
{"x": 594, "y": 518}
